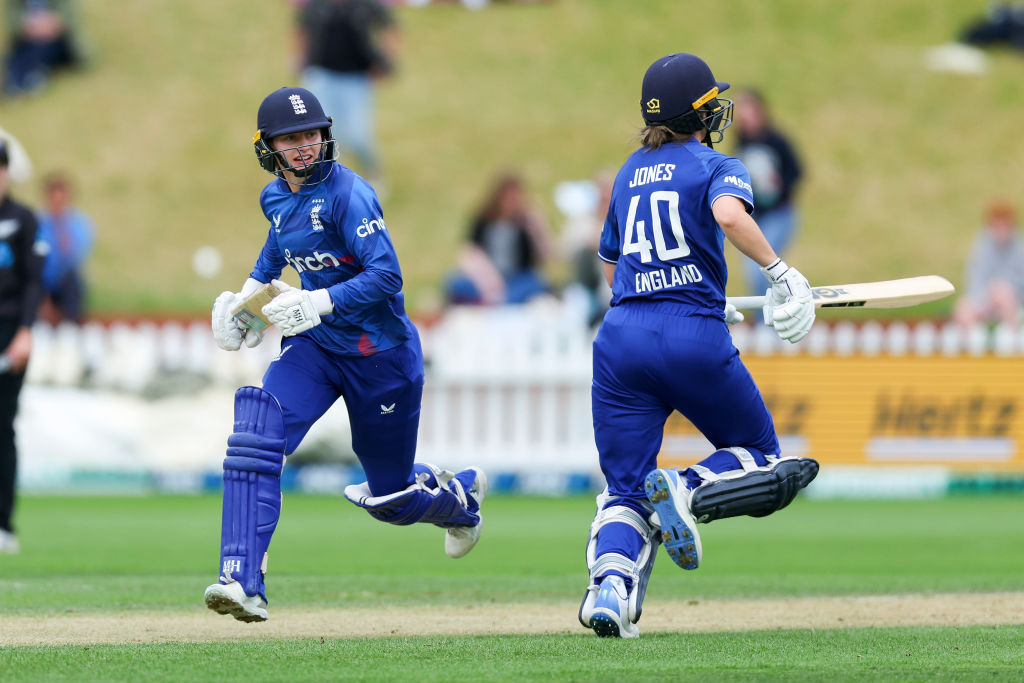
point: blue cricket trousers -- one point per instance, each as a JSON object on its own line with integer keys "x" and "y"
{"x": 650, "y": 360}
{"x": 382, "y": 393}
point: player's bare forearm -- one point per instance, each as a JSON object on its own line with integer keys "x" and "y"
{"x": 742, "y": 230}
{"x": 609, "y": 272}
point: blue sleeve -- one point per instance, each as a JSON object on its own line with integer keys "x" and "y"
{"x": 608, "y": 250}
{"x": 731, "y": 178}
{"x": 367, "y": 238}
{"x": 270, "y": 263}
{"x": 86, "y": 236}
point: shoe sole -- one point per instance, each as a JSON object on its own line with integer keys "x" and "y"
{"x": 677, "y": 533}
{"x": 465, "y": 551}
{"x": 605, "y": 625}
{"x": 221, "y": 603}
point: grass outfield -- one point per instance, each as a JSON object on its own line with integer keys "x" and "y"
{"x": 112, "y": 558}
{"x": 932, "y": 654}
{"x": 161, "y": 552}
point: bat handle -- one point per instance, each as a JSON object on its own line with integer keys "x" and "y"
{"x": 745, "y": 302}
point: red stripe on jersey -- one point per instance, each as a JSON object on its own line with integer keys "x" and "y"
{"x": 366, "y": 346}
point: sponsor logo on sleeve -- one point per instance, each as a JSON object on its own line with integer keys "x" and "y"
{"x": 368, "y": 227}
{"x": 738, "y": 182}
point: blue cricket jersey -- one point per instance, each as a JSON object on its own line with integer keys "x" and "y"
{"x": 660, "y": 230}
{"x": 333, "y": 234}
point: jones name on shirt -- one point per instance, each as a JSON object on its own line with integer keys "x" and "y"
{"x": 652, "y": 174}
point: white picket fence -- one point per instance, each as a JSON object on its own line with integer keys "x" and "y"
{"x": 506, "y": 388}
{"x": 472, "y": 347}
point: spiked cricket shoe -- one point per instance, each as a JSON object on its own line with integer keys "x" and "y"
{"x": 231, "y": 599}
{"x": 470, "y": 485}
{"x": 609, "y": 618}
{"x": 671, "y": 502}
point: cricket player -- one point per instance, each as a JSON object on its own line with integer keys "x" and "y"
{"x": 664, "y": 345}
{"x": 346, "y": 335}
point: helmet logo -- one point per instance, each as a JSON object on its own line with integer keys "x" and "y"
{"x": 653, "y": 105}
{"x": 297, "y": 104}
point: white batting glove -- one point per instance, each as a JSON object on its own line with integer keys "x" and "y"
{"x": 226, "y": 331}
{"x": 732, "y": 315}
{"x": 790, "y": 306}
{"x": 297, "y": 310}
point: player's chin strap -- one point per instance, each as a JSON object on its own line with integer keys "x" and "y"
{"x": 749, "y": 489}
{"x": 639, "y": 571}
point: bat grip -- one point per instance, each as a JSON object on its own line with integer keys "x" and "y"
{"x": 746, "y": 302}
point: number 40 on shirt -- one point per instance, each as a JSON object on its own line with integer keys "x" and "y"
{"x": 636, "y": 241}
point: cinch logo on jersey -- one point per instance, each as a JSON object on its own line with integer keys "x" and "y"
{"x": 667, "y": 277}
{"x": 738, "y": 182}
{"x": 369, "y": 227}
{"x": 652, "y": 174}
{"x": 297, "y": 104}
{"x": 314, "y": 215}
{"x": 318, "y": 261}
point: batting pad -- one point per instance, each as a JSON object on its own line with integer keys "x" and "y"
{"x": 428, "y": 499}
{"x": 252, "y": 488}
{"x": 754, "y": 490}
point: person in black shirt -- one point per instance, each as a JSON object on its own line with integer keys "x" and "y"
{"x": 21, "y": 263}
{"x": 774, "y": 172}
{"x": 508, "y": 243}
{"x": 346, "y": 45}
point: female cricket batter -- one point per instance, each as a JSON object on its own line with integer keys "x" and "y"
{"x": 664, "y": 345}
{"x": 346, "y": 335}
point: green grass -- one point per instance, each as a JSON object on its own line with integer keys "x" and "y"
{"x": 85, "y": 554}
{"x": 992, "y": 653}
{"x": 900, "y": 160}
{"x": 94, "y": 555}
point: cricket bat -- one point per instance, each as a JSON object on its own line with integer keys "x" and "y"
{"x": 909, "y": 291}
{"x": 250, "y": 311}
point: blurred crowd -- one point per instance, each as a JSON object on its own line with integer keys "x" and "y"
{"x": 43, "y": 37}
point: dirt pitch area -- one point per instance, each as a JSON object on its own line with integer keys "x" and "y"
{"x": 200, "y": 625}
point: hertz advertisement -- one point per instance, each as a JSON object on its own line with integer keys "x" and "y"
{"x": 959, "y": 412}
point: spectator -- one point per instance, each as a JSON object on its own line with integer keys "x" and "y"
{"x": 69, "y": 234}
{"x": 994, "y": 277}
{"x": 508, "y": 244}
{"x": 20, "y": 291}
{"x": 1004, "y": 26}
{"x": 347, "y": 45}
{"x": 774, "y": 172}
{"x": 42, "y": 36}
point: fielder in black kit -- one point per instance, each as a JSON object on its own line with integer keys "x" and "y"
{"x": 21, "y": 264}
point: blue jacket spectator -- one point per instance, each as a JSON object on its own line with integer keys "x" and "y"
{"x": 69, "y": 234}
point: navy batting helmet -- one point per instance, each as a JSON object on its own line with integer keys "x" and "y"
{"x": 680, "y": 92}
{"x": 290, "y": 110}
